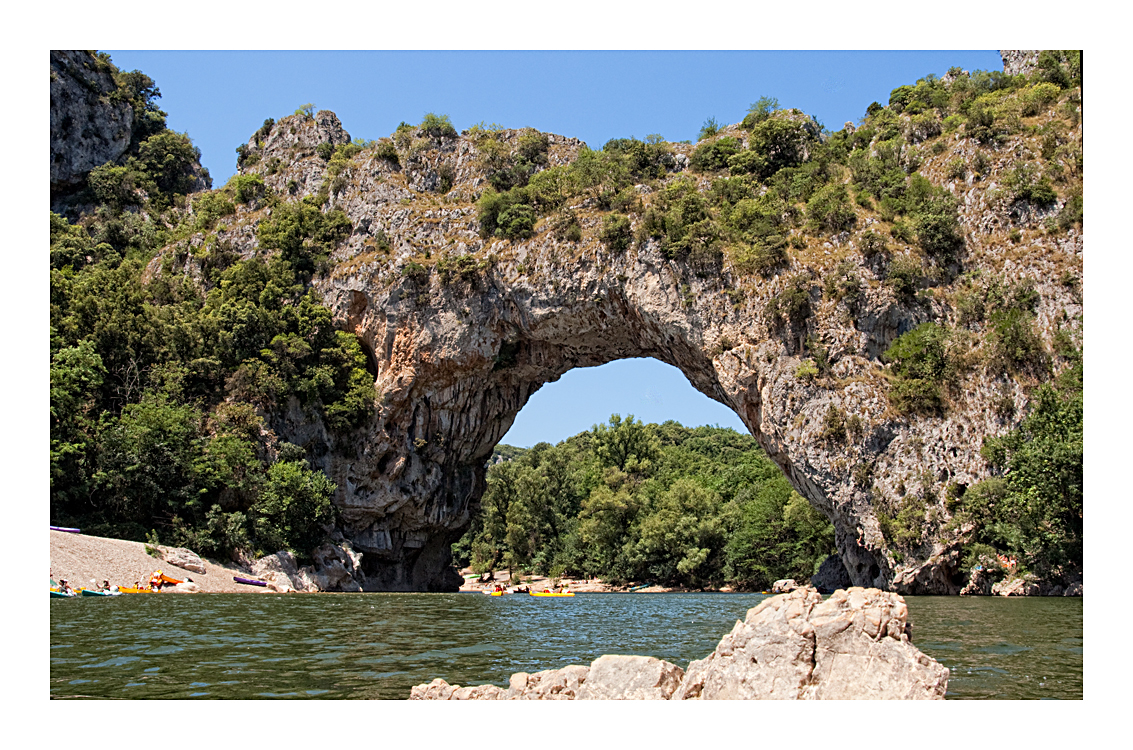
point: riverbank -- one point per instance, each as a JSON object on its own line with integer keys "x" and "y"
{"x": 472, "y": 584}
{"x": 80, "y": 558}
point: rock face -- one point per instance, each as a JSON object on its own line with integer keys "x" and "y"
{"x": 1019, "y": 61}
{"x": 855, "y": 645}
{"x": 88, "y": 128}
{"x": 457, "y": 353}
{"x": 831, "y": 576}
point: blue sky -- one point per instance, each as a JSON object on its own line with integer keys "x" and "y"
{"x": 220, "y": 98}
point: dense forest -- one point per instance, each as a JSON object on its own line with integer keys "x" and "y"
{"x": 165, "y": 386}
{"x": 626, "y": 501}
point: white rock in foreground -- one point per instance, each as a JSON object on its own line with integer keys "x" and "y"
{"x": 855, "y": 645}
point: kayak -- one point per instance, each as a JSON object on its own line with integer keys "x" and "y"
{"x": 132, "y": 590}
{"x": 63, "y": 528}
{"x": 60, "y": 595}
{"x": 94, "y": 592}
{"x": 249, "y": 581}
{"x": 549, "y": 593}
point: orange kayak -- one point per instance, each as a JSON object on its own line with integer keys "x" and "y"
{"x": 131, "y": 590}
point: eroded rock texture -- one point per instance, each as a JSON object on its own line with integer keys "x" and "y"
{"x": 853, "y": 646}
{"x": 462, "y": 330}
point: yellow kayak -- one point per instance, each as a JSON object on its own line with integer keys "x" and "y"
{"x": 549, "y": 593}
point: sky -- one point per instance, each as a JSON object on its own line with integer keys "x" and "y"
{"x": 221, "y": 97}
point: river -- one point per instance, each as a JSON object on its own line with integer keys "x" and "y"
{"x": 380, "y": 645}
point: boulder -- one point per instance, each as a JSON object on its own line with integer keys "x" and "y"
{"x": 630, "y": 678}
{"x": 281, "y": 573}
{"x": 1074, "y": 589}
{"x": 784, "y": 586}
{"x": 607, "y": 678}
{"x": 439, "y": 690}
{"x": 831, "y": 576}
{"x": 336, "y": 567}
{"x": 550, "y": 684}
{"x": 1010, "y": 587}
{"x": 979, "y": 582}
{"x": 855, "y": 645}
{"x": 183, "y": 558}
{"x": 793, "y": 646}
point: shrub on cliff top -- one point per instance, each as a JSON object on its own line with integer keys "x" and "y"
{"x": 437, "y": 126}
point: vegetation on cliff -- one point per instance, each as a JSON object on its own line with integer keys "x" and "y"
{"x": 164, "y": 385}
{"x": 626, "y": 501}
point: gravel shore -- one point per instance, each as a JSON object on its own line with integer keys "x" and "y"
{"x": 80, "y": 558}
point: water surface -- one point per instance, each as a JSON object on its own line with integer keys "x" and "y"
{"x": 380, "y": 645}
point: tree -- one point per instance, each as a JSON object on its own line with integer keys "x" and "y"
{"x": 292, "y": 509}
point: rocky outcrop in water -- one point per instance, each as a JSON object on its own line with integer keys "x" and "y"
{"x": 795, "y": 646}
{"x": 854, "y": 645}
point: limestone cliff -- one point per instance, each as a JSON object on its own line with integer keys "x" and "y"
{"x": 463, "y": 329}
{"x": 88, "y": 128}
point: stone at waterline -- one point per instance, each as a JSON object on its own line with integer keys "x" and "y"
{"x": 792, "y": 646}
{"x": 607, "y": 678}
{"x": 784, "y": 586}
{"x": 855, "y": 645}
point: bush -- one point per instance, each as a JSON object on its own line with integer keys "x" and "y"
{"x": 616, "y": 233}
{"x": 386, "y": 150}
{"x": 763, "y": 256}
{"x": 920, "y": 353}
{"x": 247, "y": 187}
{"x": 1015, "y": 347}
{"x": 113, "y": 185}
{"x": 1039, "y": 98}
{"x": 714, "y": 156}
{"x": 904, "y": 275}
{"x": 303, "y": 235}
{"x": 708, "y": 129}
{"x": 292, "y": 509}
{"x": 437, "y": 126}
{"x": 760, "y": 111}
{"x": 169, "y": 161}
{"x": 830, "y": 209}
{"x": 209, "y": 208}
{"x": 566, "y": 227}
{"x": 792, "y": 303}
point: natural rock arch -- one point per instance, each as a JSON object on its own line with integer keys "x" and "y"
{"x": 456, "y": 362}
{"x": 460, "y": 330}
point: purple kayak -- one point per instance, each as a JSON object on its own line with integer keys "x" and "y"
{"x": 249, "y": 581}
{"x": 63, "y": 528}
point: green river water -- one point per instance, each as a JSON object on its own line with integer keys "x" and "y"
{"x": 380, "y": 645}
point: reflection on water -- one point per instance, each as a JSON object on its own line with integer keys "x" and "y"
{"x": 380, "y": 645}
